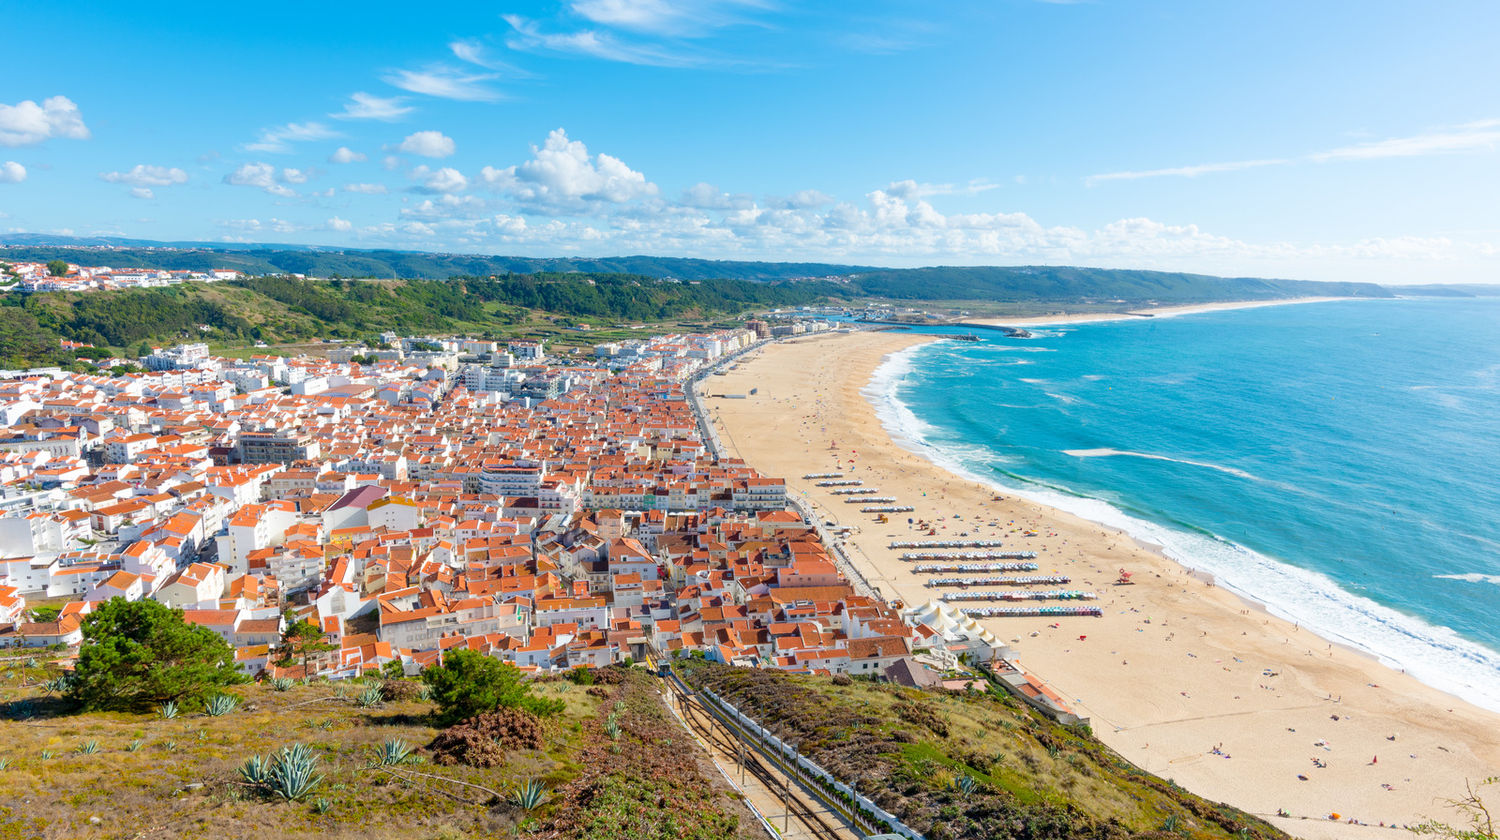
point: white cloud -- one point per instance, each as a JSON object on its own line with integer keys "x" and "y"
{"x": 910, "y": 188}
{"x": 1185, "y": 171}
{"x": 257, "y": 226}
{"x": 264, "y": 176}
{"x": 340, "y": 225}
{"x": 561, "y": 174}
{"x": 433, "y": 144}
{"x": 446, "y": 207}
{"x": 804, "y": 199}
{"x": 12, "y": 172}
{"x": 1483, "y": 135}
{"x": 141, "y": 192}
{"x": 344, "y": 154}
{"x": 664, "y": 17}
{"x": 445, "y": 180}
{"x": 1479, "y": 136}
{"x": 705, "y": 196}
{"x": 366, "y": 189}
{"x": 364, "y": 106}
{"x": 477, "y": 53}
{"x": 528, "y": 36}
{"x": 445, "y": 82}
{"x": 144, "y": 175}
{"x": 281, "y": 138}
{"x": 26, "y": 122}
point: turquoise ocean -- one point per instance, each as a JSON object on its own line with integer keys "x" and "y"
{"x": 1338, "y": 462}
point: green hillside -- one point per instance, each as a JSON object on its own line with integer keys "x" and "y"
{"x": 970, "y": 765}
{"x": 286, "y": 310}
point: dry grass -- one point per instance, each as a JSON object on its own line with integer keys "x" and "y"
{"x": 182, "y": 779}
{"x": 155, "y": 778}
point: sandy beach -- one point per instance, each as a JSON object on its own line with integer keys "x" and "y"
{"x": 1181, "y": 677}
{"x": 1155, "y": 312}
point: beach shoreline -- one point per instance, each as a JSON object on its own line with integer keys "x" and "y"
{"x": 1151, "y": 312}
{"x": 1176, "y": 667}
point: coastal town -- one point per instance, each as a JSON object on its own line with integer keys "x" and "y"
{"x": 440, "y": 494}
{"x": 64, "y": 276}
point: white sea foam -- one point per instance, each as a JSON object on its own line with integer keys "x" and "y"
{"x": 1434, "y": 654}
{"x": 1104, "y": 453}
{"x": 1472, "y": 577}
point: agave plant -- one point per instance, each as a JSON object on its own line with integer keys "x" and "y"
{"x": 371, "y": 697}
{"x": 321, "y": 805}
{"x": 169, "y": 746}
{"x": 4, "y": 762}
{"x": 221, "y": 704}
{"x": 256, "y": 771}
{"x": 612, "y": 729}
{"x": 167, "y": 710}
{"x": 528, "y": 796}
{"x": 283, "y": 683}
{"x": 965, "y": 784}
{"x": 293, "y": 773}
{"x": 48, "y": 755}
{"x": 424, "y": 693}
{"x": 392, "y": 752}
{"x": 88, "y": 747}
{"x": 134, "y": 745}
{"x": 31, "y": 662}
{"x": 58, "y": 685}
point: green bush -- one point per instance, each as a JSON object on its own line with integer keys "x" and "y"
{"x": 139, "y": 654}
{"x": 469, "y": 683}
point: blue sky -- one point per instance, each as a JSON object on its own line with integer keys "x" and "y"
{"x": 1325, "y": 140}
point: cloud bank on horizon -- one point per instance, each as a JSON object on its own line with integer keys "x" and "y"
{"x": 1019, "y": 132}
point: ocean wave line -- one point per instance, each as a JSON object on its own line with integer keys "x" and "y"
{"x": 1105, "y": 453}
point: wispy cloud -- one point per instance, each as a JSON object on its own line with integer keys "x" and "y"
{"x": 476, "y": 52}
{"x": 668, "y": 17}
{"x": 364, "y": 106}
{"x": 1483, "y": 135}
{"x": 281, "y": 138}
{"x": 446, "y": 82}
{"x": 1479, "y": 136}
{"x": 529, "y": 36}
{"x": 910, "y": 188}
{"x": 1185, "y": 171}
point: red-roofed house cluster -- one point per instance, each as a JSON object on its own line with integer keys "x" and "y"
{"x": 551, "y": 513}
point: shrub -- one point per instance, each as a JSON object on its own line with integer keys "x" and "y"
{"x": 398, "y": 691}
{"x": 469, "y": 684}
{"x": 483, "y": 740}
{"x": 138, "y": 653}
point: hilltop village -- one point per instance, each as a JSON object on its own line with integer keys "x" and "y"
{"x": 439, "y": 494}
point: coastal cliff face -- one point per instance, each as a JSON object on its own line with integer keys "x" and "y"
{"x": 970, "y": 764}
